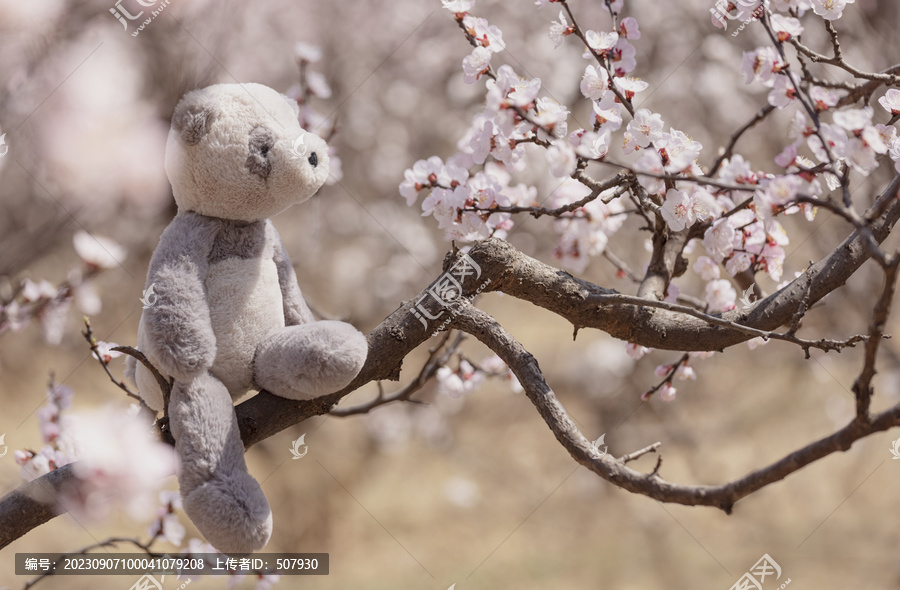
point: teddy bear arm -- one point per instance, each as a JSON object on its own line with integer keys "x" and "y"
{"x": 296, "y": 312}
{"x": 179, "y": 331}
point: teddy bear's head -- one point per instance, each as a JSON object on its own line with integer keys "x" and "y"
{"x": 237, "y": 151}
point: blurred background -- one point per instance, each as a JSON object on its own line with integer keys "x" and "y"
{"x": 474, "y": 491}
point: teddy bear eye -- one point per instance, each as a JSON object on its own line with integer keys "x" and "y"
{"x": 313, "y": 160}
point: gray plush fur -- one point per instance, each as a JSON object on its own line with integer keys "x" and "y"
{"x": 229, "y": 315}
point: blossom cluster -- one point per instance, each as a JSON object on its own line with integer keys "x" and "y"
{"x": 56, "y": 435}
{"x": 733, "y": 210}
{"x": 466, "y": 378}
{"x": 49, "y": 303}
{"x": 117, "y": 460}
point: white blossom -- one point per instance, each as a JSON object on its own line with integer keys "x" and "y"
{"x": 98, "y": 251}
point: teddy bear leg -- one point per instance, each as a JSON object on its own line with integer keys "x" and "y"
{"x": 220, "y": 497}
{"x": 310, "y": 360}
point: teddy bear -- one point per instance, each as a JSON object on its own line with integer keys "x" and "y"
{"x": 227, "y": 314}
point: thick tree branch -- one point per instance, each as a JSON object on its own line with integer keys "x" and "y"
{"x": 862, "y": 387}
{"x": 523, "y": 364}
{"x": 505, "y": 269}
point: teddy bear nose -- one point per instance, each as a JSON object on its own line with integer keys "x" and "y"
{"x": 313, "y": 160}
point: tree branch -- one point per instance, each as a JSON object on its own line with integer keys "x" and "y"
{"x": 505, "y": 269}
{"x": 523, "y": 364}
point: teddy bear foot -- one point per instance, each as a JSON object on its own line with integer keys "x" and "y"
{"x": 232, "y": 513}
{"x": 220, "y": 496}
{"x": 310, "y": 360}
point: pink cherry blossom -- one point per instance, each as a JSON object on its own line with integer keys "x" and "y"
{"x": 601, "y": 42}
{"x": 678, "y": 151}
{"x": 551, "y": 116}
{"x": 628, "y": 28}
{"x": 685, "y": 372}
{"x": 761, "y": 65}
{"x": 835, "y": 137}
{"x": 424, "y": 173}
{"x": 737, "y": 170}
{"x": 630, "y": 86}
{"x": 753, "y": 343}
{"x": 784, "y": 92}
{"x": 595, "y": 82}
{"x": 458, "y": 6}
{"x": 677, "y": 210}
{"x": 894, "y": 153}
{"x": 524, "y": 92}
{"x": 594, "y": 145}
{"x": 646, "y": 127}
{"x": 562, "y": 159}
{"x": 887, "y": 134}
{"x": 586, "y": 232}
{"x": 636, "y": 351}
{"x": 720, "y": 295}
{"x": 782, "y": 189}
{"x": 623, "y": 57}
{"x": 608, "y": 119}
{"x": 772, "y": 259}
{"x": 853, "y": 119}
{"x": 460, "y": 382}
{"x": 104, "y": 351}
{"x": 98, "y": 251}
{"x": 168, "y": 528}
{"x": 738, "y": 263}
{"x": 891, "y": 101}
{"x": 830, "y": 9}
{"x": 650, "y": 161}
{"x": 707, "y": 268}
{"x": 476, "y": 64}
{"x": 32, "y": 291}
{"x": 787, "y": 157}
{"x": 486, "y": 35}
{"x": 667, "y": 392}
{"x": 719, "y": 239}
{"x": 823, "y": 98}
{"x": 786, "y": 27}
{"x": 559, "y": 30}
{"x": 119, "y": 462}
{"x": 308, "y": 53}
{"x": 672, "y": 293}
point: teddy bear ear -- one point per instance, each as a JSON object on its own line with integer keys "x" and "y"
{"x": 193, "y": 118}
